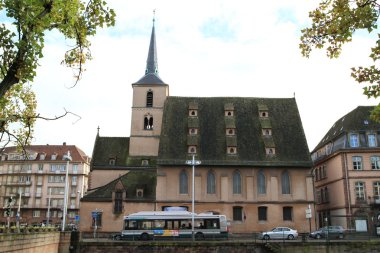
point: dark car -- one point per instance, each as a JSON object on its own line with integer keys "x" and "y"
{"x": 329, "y": 231}
{"x": 118, "y": 236}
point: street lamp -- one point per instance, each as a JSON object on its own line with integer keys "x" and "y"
{"x": 18, "y": 211}
{"x": 48, "y": 212}
{"x": 193, "y": 163}
{"x": 68, "y": 159}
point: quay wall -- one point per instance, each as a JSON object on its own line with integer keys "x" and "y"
{"x": 30, "y": 243}
{"x": 228, "y": 247}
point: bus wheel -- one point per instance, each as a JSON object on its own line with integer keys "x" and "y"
{"x": 199, "y": 236}
{"x": 144, "y": 237}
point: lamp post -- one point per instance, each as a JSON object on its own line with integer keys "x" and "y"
{"x": 68, "y": 159}
{"x": 18, "y": 211}
{"x": 48, "y": 211}
{"x": 193, "y": 163}
{"x": 308, "y": 216}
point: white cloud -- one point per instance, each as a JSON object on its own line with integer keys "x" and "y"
{"x": 262, "y": 59}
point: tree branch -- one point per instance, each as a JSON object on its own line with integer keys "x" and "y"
{"x": 12, "y": 76}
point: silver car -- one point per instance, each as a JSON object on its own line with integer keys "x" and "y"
{"x": 280, "y": 233}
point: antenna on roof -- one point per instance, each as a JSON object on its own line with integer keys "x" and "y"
{"x": 98, "y": 130}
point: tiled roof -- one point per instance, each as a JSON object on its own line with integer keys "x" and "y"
{"x": 356, "y": 120}
{"x": 106, "y": 148}
{"x": 288, "y": 136}
{"x": 150, "y": 79}
{"x": 131, "y": 181}
{"x": 77, "y": 154}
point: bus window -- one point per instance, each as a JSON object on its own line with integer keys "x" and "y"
{"x": 172, "y": 224}
{"x": 130, "y": 225}
{"x": 199, "y": 224}
{"x": 159, "y": 224}
{"x": 176, "y": 224}
{"x": 145, "y": 225}
{"x": 212, "y": 224}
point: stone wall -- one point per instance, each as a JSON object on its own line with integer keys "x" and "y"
{"x": 30, "y": 243}
{"x": 169, "y": 247}
{"x": 96, "y": 246}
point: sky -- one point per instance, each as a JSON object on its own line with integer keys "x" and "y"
{"x": 213, "y": 48}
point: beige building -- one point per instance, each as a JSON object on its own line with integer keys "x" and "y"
{"x": 255, "y": 163}
{"x": 347, "y": 173}
{"x": 38, "y": 173}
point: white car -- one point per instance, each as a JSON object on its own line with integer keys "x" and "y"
{"x": 280, "y": 233}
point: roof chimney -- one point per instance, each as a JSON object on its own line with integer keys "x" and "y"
{"x": 64, "y": 144}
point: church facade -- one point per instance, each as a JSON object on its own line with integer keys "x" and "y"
{"x": 250, "y": 156}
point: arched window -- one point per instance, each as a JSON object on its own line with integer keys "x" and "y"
{"x": 210, "y": 183}
{"x": 236, "y": 183}
{"x": 183, "y": 183}
{"x": 261, "y": 186}
{"x": 149, "y": 99}
{"x": 285, "y": 182}
{"x": 148, "y": 122}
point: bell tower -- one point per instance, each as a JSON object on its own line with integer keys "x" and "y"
{"x": 149, "y": 95}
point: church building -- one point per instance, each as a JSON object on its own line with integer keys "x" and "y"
{"x": 250, "y": 157}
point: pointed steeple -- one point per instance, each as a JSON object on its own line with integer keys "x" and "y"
{"x": 151, "y": 63}
{"x": 151, "y": 71}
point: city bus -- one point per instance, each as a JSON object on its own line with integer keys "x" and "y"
{"x": 174, "y": 224}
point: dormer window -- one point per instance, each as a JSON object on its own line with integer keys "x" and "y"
{"x": 231, "y": 150}
{"x": 111, "y": 161}
{"x": 371, "y": 140}
{"x": 139, "y": 193}
{"x": 42, "y": 156}
{"x": 193, "y": 131}
{"x": 144, "y": 162}
{"x": 229, "y": 113}
{"x": 354, "y": 140}
{"x": 263, "y": 114}
{"x": 193, "y": 113}
{"x": 267, "y": 132}
{"x": 270, "y": 151}
{"x": 118, "y": 205}
{"x": 230, "y": 131}
{"x": 54, "y": 156}
{"x": 192, "y": 150}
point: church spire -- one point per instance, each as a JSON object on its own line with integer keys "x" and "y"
{"x": 151, "y": 71}
{"x": 151, "y": 63}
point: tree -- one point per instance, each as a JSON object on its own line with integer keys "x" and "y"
{"x": 333, "y": 24}
{"x": 21, "y": 47}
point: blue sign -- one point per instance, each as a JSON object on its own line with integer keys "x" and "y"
{"x": 76, "y": 217}
{"x": 158, "y": 231}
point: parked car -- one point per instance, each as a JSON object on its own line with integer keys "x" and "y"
{"x": 330, "y": 231}
{"x": 280, "y": 233}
